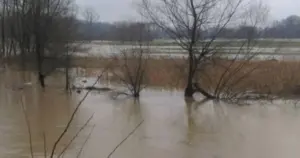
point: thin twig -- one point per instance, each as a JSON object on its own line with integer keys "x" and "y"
{"x": 75, "y": 136}
{"x": 28, "y": 128}
{"x": 125, "y": 138}
{"x": 86, "y": 140}
{"x": 72, "y": 117}
{"x": 45, "y": 144}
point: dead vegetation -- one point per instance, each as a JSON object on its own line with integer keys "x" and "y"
{"x": 130, "y": 68}
{"x": 222, "y": 78}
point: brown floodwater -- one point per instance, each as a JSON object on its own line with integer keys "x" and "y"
{"x": 172, "y": 127}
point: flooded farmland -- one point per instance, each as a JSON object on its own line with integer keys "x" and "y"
{"x": 172, "y": 127}
{"x": 149, "y": 79}
{"x": 97, "y": 48}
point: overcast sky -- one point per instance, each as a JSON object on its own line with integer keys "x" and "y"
{"x": 115, "y": 10}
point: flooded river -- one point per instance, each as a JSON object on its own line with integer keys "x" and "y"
{"x": 172, "y": 127}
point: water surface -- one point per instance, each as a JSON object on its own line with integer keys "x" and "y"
{"x": 172, "y": 128}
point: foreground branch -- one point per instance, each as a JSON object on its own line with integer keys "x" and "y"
{"x": 72, "y": 117}
{"x": 125, "y": 138}
{"x": 86, "y": 140}
{"x": 75, "y": 136}
{"x": 28, "y": 128}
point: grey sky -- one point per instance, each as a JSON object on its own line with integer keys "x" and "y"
{"x": 114, "y": 10}
{"x": 111, "y": 10}
{"x": 282, "y": 8}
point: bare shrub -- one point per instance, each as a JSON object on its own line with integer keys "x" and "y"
{"x": 131, "y": 66}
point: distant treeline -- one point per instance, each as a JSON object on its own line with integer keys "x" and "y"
{"x": 119, "y": 31}
{"x": 133, "y": 31}
{"x": 285, "y": 28}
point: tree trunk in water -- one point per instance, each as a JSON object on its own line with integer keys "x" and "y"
{"x": 41, "y": 77}
{"x": 42, "y": 80}
{"x": 203, "y": 92}
{"x": 67, "y": 73}
{"x": 191, "y": 87}
{"x": 67, "y": 80}
{"x": 136, "y": 95}
{"x": 189, "y": 90}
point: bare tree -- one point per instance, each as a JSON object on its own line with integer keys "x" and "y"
{"x": 187, "y": 22}
{"x": 132, "y": 63}
{"x": 42, "y": 31}
{"x": 90, "y": 15}
{"x": 49, "y": 26}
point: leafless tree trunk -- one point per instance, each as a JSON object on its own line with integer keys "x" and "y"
{"x": 67, "y": 72}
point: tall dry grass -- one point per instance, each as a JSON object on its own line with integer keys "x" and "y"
{"x": 269, "y": 76}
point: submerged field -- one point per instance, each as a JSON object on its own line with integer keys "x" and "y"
{"x": 227, "y": 42}
{"x": 266, "y": 49}
{"x": 166, "y": 124}
{"x": 173, "y": 127}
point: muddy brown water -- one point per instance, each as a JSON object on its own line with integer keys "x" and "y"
{"x": 172, "y": 128}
